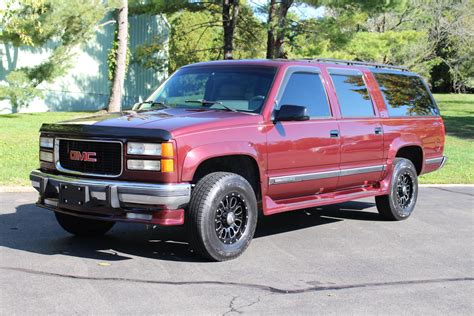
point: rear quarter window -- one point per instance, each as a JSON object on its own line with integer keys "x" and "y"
{"x": 405, "y": 95}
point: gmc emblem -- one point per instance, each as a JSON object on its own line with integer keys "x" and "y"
{"x": 88, "y": 156}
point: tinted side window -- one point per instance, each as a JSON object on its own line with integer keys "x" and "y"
{"x": 405, "y": 95}
{"x": 353, "y": 96}
{"x": 306, "y": 89}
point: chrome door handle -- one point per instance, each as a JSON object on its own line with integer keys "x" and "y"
{"x": 378, "y": 131}
{"x": 334, "y": 133}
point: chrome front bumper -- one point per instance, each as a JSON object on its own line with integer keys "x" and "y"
{"x": 115, "y": 194}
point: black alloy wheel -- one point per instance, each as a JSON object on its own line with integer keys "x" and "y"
{"x": 400, "y": 202}
{"x": 231, "y": 218}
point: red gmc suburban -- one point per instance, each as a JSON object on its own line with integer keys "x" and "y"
{"x": 220, "y": 141}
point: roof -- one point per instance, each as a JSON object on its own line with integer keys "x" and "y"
{"x": 276, "y": 62}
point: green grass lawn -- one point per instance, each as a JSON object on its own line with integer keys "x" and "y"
{"x": 19, "y": 138}
{"x": 458, "y": 115}
{"x": 19, "y": 142}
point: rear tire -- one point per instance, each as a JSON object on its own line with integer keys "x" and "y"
{"x": 222, "y": 216}
{"x": 83, "y": 227}
{"x": 400, "y": 202}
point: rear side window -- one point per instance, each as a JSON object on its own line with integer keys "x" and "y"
{"x": 354, "y": 99}
{"x": 306, "y": 89}
{"x": 405, "y": 95}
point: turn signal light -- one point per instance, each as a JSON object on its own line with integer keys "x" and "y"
{"x": 167, "y": 165}
{"x": 167, "y": 150}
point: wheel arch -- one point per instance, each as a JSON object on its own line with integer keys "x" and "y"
{"x": 237, "y": 157}
{"x": 414, "y": 153}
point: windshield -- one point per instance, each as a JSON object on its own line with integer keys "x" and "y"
{"x": 234, "y": 88}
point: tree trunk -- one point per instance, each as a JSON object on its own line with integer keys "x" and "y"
{"x": 271, "y": 30}
{"x": 281, "y": 34}
{"x": 230, "y": 13}
{"x": 115, "y": 103}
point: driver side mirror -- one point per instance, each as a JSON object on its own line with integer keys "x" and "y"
{"x": 292, "y": 113}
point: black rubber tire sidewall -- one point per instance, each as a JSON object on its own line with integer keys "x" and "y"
{"x": 390, "y": 208}
{"x": 205, "y": 200}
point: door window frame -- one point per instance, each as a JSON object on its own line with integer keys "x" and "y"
{"x": 284, "y": 82}
{"x": 352, "y": 72}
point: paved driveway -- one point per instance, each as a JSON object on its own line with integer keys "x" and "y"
{"x": 338, "y": 259}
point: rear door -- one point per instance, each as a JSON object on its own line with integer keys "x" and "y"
{"x": 303, "y": 157}
{"x": 360, "y": 130}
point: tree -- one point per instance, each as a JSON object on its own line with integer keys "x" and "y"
{"x": 271, "y": 29}
{"x": 230, "y": 13}
{"x": 198, "y": 34}
{"x": 235, "y": 17}
{"x": 450, "y": 26}
{"x": 442, "y": 49}
{"x": 282, "y": 28}
{"x": 115, "y": 103}
{"x": 277, "y": 28}
{"x": 195, "y": 36}
{"x": 33, "y": 23}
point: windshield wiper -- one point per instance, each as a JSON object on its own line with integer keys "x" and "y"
{"x": 204, "y": 102}
{"x": 153, "y": 104}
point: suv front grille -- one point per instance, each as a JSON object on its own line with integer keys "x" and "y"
{"x": 108, "y": 156}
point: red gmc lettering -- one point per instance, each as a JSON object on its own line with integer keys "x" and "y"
{"x": 87, "y": 156}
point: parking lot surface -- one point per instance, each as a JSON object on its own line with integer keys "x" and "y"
{"x": 335, "y": 259}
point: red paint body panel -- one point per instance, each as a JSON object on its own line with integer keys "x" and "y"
{"x": 289, "y": 148}
{"x": 299, "y": 148}
{"x": 360, "y": 147}
{"x": 168, "y": 218}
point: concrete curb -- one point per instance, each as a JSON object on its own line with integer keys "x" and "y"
{"x": 27, "y": 189}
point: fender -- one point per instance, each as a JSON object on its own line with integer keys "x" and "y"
{"x": 199, "y": 154}
{"x": 403, "y": 140}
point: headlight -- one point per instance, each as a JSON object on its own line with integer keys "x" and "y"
{"x": 47, "y": 142}
{"x": 152, "y": 165}
{"x": 145, "y": 149}
{"x": 46, "y": 156}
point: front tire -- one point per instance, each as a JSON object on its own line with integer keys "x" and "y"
{"x": 222, "y": 216}
{"x": 400, "y": 202}
{"x": 83, "y": 227}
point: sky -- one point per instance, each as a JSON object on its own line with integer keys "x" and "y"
{"x": 303, "y": 10}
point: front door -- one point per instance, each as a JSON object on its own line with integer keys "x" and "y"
{"x": 362, "y": 160}
{"x": 303, "y": 156}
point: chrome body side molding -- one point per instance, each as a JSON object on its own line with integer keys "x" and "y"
{"x": 324, "y": 175}
{"x": 438, "y": 161}
{"x": 434, "y": 160}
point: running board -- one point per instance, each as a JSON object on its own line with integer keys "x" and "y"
{"x": 271, "y": 206}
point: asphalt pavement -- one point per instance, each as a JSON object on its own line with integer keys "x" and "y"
{"x": 336, "y": 259}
